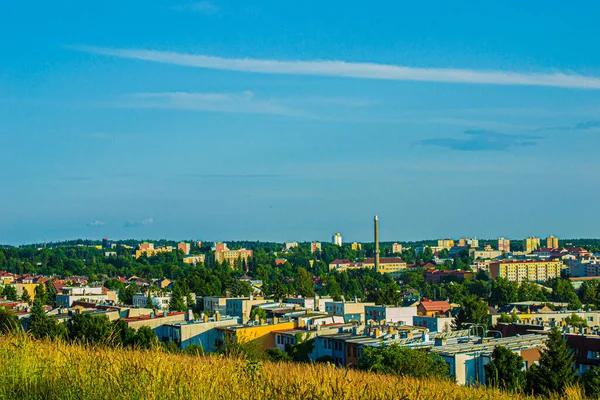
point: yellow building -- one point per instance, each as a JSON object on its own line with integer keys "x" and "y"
{"x": 531, "y": 244}
{"x": 391, "y": 265}
{"x": 153, "y": 252}
{"x": 261, "y": 334}
{"x": 223, "y": 253}
{"x": 446, "y": 243}
{"x": 194, "y": 259}
{"x": 519, "y": 271}
{"x": 356, "y": 246}
{"x": 552, "y": 242}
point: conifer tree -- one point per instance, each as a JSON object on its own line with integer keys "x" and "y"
{"x": 555, "y": 371}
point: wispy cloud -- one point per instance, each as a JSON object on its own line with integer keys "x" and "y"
{"x": 581, "y": 126}
{"x": 204, "y": 7}
{"x": 95, "y": 224}
{"x": 242, "y": 102}
{"x": 234, "y": 176}
{"x": 353, "y": 70}
{"x": 483, "y": 140}
{"x": 142, "y": 222}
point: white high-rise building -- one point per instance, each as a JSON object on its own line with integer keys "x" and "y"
{"x": 337, "y": 239}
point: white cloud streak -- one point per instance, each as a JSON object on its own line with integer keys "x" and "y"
{"x": 354, "y": 70}
{"x": 242, "y": 102}
{"x": 204, "y": 7}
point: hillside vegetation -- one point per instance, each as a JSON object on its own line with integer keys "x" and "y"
{"x": 55, "y": 370}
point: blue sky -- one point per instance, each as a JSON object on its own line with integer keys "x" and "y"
{"x": 276, "y": 120}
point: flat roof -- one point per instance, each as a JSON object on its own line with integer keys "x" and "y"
{"x": 512, "y": 343}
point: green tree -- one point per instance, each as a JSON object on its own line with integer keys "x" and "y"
{"x": 10, "y": 293}
{"x": 276, "y": 355}
{"x": 177, "y": 302}
{"x": 145, "y": 338}
{"x": 389, "y": 295}
{"x": 529, "y": 291}
{"x": 8, "y": 321}
{"x": 555, "y": 371}
{"x": 301, "y": 350}
{"x": 505, "y": 370}
{"x": 41, "y": 326}
{"x": 40, "y": 293}
{"x": 576, "y": 321}
{"x": 26, "y": 297}
{"x": 91, "y": 329}
{"x": 149, "y": 302}
{"x": 258, "y": 312}
{"x": 304, "y": 283}
{"x": 50, "y": 294}
{"x": 404, "y": 361}
{"x": 562, "y": 291}
{"x": 590, "y": 381}
{"x": 503, "y": 292}
{"x": 474, "y": 311}
{"x": 194, "y": 350}
{"x": 277, "y": 291}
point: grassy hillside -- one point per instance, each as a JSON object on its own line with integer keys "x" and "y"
{"x": 47, "y": 370}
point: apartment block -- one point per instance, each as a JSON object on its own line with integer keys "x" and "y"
{"x": 519, "y": 271}
{"x": 223, "y": 253}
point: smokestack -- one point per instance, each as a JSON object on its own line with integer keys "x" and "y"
{"x": 376, "y": 223}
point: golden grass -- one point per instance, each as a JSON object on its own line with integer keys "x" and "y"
{"x": 55, "y": 370}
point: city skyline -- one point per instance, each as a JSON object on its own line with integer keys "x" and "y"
{"x": 276, "y": 121}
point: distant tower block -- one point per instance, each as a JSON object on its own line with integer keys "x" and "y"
{"x": 376, "y": 227}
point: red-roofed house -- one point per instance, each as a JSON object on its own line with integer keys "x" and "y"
{"x": 433, "y": 308}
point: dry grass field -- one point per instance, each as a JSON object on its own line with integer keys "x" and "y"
{"x": 55, "y": 370}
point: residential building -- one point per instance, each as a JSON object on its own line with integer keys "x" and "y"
{"x": 468, "y": 242}
{"x": 390, "y": 265}
{"x": 309, "y": 303}
{"x": 261, "y": 332}
{"x": 585, "y": 350}
{"x": 585, "y": 267}
{"x": 315, "y": 246}
{"x": 159, "y": 302}
{"x": 146, "y": 246}
{"x": 241, "y": 307}
{"x": 543, "y": 316}
{"x": 185, "y": 247}
{"x": 194, "y": 259}
{"x": 445, "y": 244}
{"x": 433, "y": 308}
{"x": 69, "y": 295}
{"x": 356, "y": 246}
{"x": 399, "y": 315}
{"x": 396, "y": 248}
{"x": 486, "y": 254}
{"x": 155, "y": 321}
{"x": 526, "y": 270}
{"x": 351, "y": 311}
{"x": 290, "y": 245}
{"x": 552, "y": 242}
{"x": 203, "y": 332}
{"x": 223, "y": 253}
{"x": 504, "y": 245}
{"x": 107, "y": 244}
{"x": 148, "y": 250}
{"x": 467, "y": 360}
{"x": 435, "y": 324}
{"x": 531, "y": 244}
{"x": 337, "y": 239}
{"x": 214, "y": 304}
